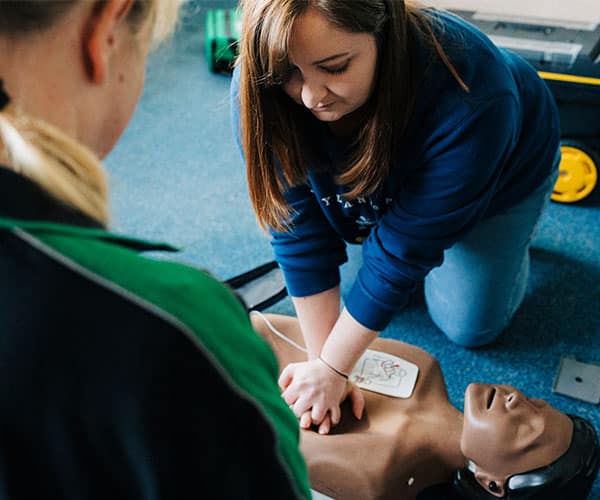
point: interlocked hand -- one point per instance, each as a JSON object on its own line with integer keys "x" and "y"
{"x": 314, "y": 393}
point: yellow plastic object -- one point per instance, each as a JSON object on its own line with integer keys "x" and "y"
{"x": 578, "y": 175}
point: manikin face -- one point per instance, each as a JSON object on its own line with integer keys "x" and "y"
{"x": 334, "y": 70}
{"x": 506, "y": 433}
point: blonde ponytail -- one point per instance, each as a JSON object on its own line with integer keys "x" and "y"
{"x": 67, "y": 170}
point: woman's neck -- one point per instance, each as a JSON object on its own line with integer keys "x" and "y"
{"x": 40, "y": 86}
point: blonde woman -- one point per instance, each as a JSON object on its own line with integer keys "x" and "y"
{"x": 122, "y": 376}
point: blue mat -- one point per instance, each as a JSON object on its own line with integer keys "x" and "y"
{"x": 177, "y": 176}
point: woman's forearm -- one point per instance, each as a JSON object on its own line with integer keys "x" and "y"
{"x": 317, "y": 315}
{"x": 346, "y": 342}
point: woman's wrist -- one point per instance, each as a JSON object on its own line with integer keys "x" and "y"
{"x": 332, "y": 368}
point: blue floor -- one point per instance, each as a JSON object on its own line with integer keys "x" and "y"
{"x": 177, "y": 176}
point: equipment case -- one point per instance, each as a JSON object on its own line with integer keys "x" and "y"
{"x": 567, "y": 57}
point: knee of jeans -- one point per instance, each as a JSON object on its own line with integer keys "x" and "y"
{"x": 470, "y": 332}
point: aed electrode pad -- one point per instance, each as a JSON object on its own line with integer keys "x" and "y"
{"x": 384, "y": 373}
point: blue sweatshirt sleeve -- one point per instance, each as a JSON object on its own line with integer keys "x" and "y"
{"x": 443, "y": 198}
{"x": 311, "y": 252}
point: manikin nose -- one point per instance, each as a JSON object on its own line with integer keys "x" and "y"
{"x": 512, "y": 399}
{"x": 313, "y": 94}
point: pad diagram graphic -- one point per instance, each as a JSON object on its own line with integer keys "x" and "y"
{"x": 380, "y": 372}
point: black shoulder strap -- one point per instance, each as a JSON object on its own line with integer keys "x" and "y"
{"x": 260, "y": 287}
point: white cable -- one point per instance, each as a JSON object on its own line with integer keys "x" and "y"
{"x": 277, "y": 332}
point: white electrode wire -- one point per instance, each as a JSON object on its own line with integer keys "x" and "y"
{"x": 277, "y": 332}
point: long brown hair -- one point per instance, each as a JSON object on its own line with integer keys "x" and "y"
{"x": 269, "y": 119}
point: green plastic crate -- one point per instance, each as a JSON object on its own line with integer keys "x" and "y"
{"x": 223, "y": 27}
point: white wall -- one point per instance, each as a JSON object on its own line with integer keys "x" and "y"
{"x": 571, "y": 10}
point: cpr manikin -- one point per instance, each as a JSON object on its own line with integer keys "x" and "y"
{"x": 403, "y": 448}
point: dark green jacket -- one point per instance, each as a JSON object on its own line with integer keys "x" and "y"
{"x": 127, "y": 377}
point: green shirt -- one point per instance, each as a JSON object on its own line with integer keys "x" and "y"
{"x": 199, "y": 305}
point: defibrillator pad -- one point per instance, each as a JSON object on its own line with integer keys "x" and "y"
{"x": 384, "y": 373}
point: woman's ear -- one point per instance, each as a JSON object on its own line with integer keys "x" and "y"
{"x": 102, "y": 30}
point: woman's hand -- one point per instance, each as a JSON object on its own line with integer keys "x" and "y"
{"x": 315, "y": 392}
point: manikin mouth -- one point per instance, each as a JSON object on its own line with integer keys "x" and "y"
{"x": 491, "y": 398}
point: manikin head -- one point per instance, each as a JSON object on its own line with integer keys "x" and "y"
{"x": 523, "y": 448}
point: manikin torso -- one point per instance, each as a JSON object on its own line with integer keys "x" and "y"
{"x": 398, "y": 448}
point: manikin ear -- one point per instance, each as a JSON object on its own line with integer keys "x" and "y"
{"x": 102, "y": 30}
{"x": 492, "y": 484}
